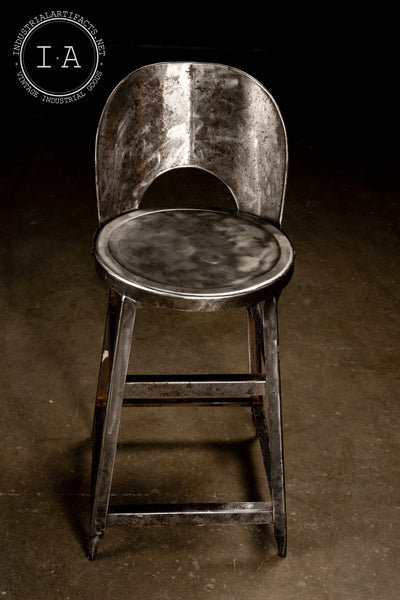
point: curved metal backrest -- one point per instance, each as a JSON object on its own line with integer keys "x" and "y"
{"x": 210, "y": 116}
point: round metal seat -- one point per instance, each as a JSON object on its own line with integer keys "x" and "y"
{"x": 193, "y": 258}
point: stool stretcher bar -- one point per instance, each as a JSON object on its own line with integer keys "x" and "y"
{"x": 250, "y": 513}
{"x": 151, "y": 402}
{"x": 194, "y": 386}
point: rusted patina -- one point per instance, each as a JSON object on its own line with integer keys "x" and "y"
{"x": 218, "y": 119}
{"x": 212, "y": 117}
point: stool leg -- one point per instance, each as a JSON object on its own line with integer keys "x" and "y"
{"x": 271, "y": 348}
{"x": 255, "y": 332}
{"x": 255, "y": 339}
{"x": 114, "y": 305}
{"x": 264, "y": 354}
{"x": 263, "y": 437}
{"x": 107, "y": 418}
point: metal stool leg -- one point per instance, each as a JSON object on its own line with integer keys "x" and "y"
{"x": 264, "y": 354}
{"x": 271, "y": 348}
{"x": 104, "y": 382}
{"x": 255, "y": 330}
{"x": 107, "y": 419}
{"x": 256, "y": 339}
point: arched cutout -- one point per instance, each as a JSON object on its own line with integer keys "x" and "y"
{"x": 192, "y": 115}
{"x": 188, "y": 186}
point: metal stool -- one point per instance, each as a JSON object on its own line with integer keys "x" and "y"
{"x": 219, "y": 119}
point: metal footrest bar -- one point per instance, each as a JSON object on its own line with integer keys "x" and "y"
{"x": 147, "y": 402}
{"x": 250, "y": 513}
{"x": 190, "y": 386}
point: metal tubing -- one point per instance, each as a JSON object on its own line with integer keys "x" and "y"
{"x": 255, "y": 333}
{"x": 150, "y": 515}
{"x": 271, "y": 344}
{"x": 109, "y": 434}
{"x": 256, "y": 339}
{"x": 188, "y": 402}
{"x": 103, "y": 383}
{"x": 194, "y": 386}
{"x": 263, "y": 438}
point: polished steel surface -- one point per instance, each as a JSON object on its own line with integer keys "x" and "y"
{"x": 196, "y": 257}
{"x": 219, "y": 119}
{"x": 194, "y": 387}
{"x": 208, "y": 116}
{"x": 107, "y": 419}
{"x": 229, "y": 513}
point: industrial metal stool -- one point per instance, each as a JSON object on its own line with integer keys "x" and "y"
{"x": 219, "y": 119}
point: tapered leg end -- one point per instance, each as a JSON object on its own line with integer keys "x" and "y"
{"x": 92, "y": 547}
{"x": 282, "y": 545}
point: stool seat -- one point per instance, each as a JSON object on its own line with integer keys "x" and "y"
{"x": 193, "y": 258}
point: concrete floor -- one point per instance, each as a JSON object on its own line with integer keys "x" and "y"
{"x": 339, "y": 325}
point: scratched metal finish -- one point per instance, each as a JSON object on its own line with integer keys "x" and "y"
{"x": 192, "y": 255}
{"x": 171, "y": 115}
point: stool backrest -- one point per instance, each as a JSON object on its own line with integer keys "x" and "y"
{"x": 180, "y": 114}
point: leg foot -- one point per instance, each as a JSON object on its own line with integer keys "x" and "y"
{"x": 92, "y": 547}
{"x": 282, "y": 544}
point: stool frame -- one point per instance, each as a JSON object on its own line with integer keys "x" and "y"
{"x": 190, "y": 90}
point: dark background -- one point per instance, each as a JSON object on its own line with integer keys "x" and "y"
{"x": 334, "y": 77}
{"x": 332, "y": 73}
